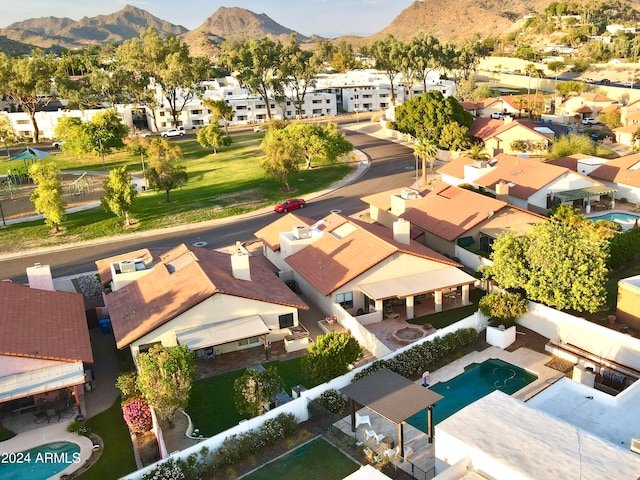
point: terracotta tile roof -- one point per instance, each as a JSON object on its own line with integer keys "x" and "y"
{"x": 485, "y": 127}
{"x": 635, "y": 115}
{"x": 570, "y": 161}
{"x": 623, "y": 170}
{"x": 628, "y": 129}
{"x": 595, "y": 97}
{"x": 487, "y": 102}
{"x": 452, "y": 212}
{"x": 468, "y": 106}
{"x": 43, "y": 324}
{"x": 181, "y": 279}
{"x": 614, "y": 107}
{"x": 584, "y": 109}
{"x": 527, "y": 176}
{"x": 455, "y": 168}
{"x": 104, "y": 265}
{"x": 348, "y": 249}
{"x": 270, "y": 235}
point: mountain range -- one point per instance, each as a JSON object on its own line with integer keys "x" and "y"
{"x": 463, "y": 19}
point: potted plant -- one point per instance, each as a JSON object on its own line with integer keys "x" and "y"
{"x": 503, "y": 308}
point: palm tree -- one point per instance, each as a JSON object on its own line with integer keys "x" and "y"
{"x": 477, "y": 152}
{"x": 426, "y": 150}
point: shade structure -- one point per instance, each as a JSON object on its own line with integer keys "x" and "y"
{"x": 31, "y": 155}
{"x": 393, "y": 397}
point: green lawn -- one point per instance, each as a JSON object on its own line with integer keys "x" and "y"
{"x": 211, "y": 406}
{"x": 5, "y": 434}
{"x": 316, "y": 460}
{"x": 221, "y": 185}
{"x": 117, "y": 458}
{"x": 448, "y": 317}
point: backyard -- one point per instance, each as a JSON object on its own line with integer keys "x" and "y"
{"x": 220, "y": 185}
{"x": 211, "y": 406}
{"x": 317, "y": 459}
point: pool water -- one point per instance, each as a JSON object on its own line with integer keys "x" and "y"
{"x": 626, "y": 220}
{"x": 38, "y": 463}
{"x": 478, "y": 380}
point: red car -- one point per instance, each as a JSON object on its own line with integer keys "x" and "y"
{"x": 290, "y": 204}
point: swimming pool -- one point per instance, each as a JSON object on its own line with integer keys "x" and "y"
{"x": 626, "y": 220}
{"x": 38, "y": 463}
{"x": 478, "y": 380}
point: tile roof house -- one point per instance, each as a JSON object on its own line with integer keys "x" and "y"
{"x": 448, "y": 217}
{"x": 499, "y": 135}
{"x": 44, "y": 345}
{"x": 584, "y": 105}
{"x": 622, "y": 174}
{"x": 528, "y": 184}
{"x": 213, "y": 301}
{"x": 360, "y": 266}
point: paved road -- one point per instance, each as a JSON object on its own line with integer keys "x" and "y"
{"x": 392, "y": 166}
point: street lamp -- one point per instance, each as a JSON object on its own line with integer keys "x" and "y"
{"x": 417, "y": 158}
{"x": 143, "y": 177}
{"x": 104, "y": 166}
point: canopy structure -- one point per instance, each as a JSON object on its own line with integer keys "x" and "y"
{"x": 584, "y": 193}
{"x": 31, "y": 155}
{"x": 393, "y": 397}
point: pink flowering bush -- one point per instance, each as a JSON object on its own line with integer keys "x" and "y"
{"x": 137, "y": 415}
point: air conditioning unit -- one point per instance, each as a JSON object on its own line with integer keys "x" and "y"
{"x": 127, "y": 266}
{"x": 409, "y": 194}
{"x": 635, "y": 444}
{"x": 301, "y": 232}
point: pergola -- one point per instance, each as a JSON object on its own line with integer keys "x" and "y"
{"x": 584, "y": 194}
{"x": 393, "y": 397}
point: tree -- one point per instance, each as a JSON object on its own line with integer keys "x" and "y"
{"x": 298, "y": 70}
{"x": 165, "y": 375}
{"x": 317, "y": 141}
{"x": 477, "y": 152}
{"x": 426, "y": 116}
{"x": 164, "y": 173}
{"x": 571, "y": 144}
{"x": 330, "y": 356}
{"x": 47, "y": 197}
{"x": 166, "y": 63}
{"x": 561, "y": 263}
{"x": 119, "y": 193}
{"x": 255, "y": 63}
{"x": 610, "y": 119}
{"x": 427, "y": 53}
{"x": 426, "y": 151}
{"x": 254, "y": 390}
{"x": 282, "y": 155}
{"x": 570, "y": 87}
{"x": 455, "y": 137}
{"x": 7, "y": 133}
{"x": 220, "y": 110}
{"x": 388, "y": 53}
{"x": 99, "y": 136}
{"x": 27, "y": 82}
{"x": 504, "y": 306}
{"x": 213, "y": 136}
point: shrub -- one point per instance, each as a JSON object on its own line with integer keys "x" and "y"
{"x": 79, "y": 427}
{"x": 137, "y": 415}
{"x": 169, "y": 470}
{"x": 504, "y": 306}
{"x": 90, "y": 286}
{"x": 333, "y": 401}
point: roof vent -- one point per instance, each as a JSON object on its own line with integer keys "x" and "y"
{"x": 409, "y": 194}
{"x": 127, "y": 266}
{"x": 300, "y": 232}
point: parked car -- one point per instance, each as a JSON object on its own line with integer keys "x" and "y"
{"x": 590, "y": 121}
{"x": 259, "y": 129}
{"x": 605, "y": 81}
{"x": 57, "y": 144}
{"x": 290, "y": 204}
{"x": 173, "y": 132}
{"x": 499, "y": 115}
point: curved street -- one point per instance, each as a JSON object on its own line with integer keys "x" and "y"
{"x": 392, "y": 166}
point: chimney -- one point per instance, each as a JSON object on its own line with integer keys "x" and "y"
{"x": 502, "y": 191}
{"x": 240, "y": 264}
{"x": 402, "y": 231}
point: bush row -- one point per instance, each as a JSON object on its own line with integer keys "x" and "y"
{"x": 424, "y": 356}
{"x": 233, "y": 449}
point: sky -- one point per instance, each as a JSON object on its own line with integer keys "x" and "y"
{"x": 328, "y": 18}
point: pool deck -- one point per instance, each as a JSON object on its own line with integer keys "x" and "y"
{"x": 423, "y": 456}
{"x": 50, "y": 434}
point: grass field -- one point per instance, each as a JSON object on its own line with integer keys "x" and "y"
{"x": 221, "y": 185}
{"x": 117, "y": 458}
{"x": 211, "y": 406}
{"x": 317, "y": 460}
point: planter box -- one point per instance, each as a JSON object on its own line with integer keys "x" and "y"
{"x": 501, "y": 338}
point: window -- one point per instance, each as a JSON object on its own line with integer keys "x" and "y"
{"x": 345, "y": 300}
{"x": 198, "y": 122}
{"x": 286, "y": 320}
{"x": 196, "y": 112}
{"x": 248, "y": 341}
